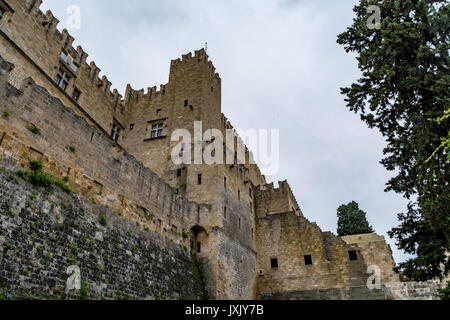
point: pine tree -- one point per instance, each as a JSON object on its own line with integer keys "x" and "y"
{"x": 403, "y": 89}
{"x": 352, "y": 220}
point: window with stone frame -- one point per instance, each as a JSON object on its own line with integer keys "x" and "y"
{"x": 157, "y": 130}
{"x": 116, "y": 129}
{"x": 5, "y": 8}
{"x": 62, "y": 79}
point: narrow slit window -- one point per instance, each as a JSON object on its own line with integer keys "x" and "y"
{"x": 224, "y": 212}
{"x": 76, "y": 94}
{"x": 352, "y": 255}
{"x": 115, "y": 132}
{"x": 308, "y": 260}
{"x": 199, "y": 179}
{"x": 199, "y": 247}
{"x": 274, "y": 263}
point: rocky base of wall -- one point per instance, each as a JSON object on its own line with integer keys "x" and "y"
{"x": 390, "y": 291}
{"x": 46, "y": 233}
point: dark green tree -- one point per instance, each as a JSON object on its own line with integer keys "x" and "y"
{"x": 352, "y": 220}
{"x": 403, "y": 88}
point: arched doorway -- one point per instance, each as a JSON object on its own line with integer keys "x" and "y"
{"x": 198, "y": 239}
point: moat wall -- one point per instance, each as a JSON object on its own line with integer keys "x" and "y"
{"x": 43, "y": 231}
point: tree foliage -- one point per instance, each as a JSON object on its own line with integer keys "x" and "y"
{"x": 404, "y": 86}
{"x": 352, "y": 220}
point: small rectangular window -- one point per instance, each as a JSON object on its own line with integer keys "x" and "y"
{"x": 157, "y": 130}
{"x": 225, "y": 212}
{"x": 225, "y": 182}
{"x": 239, "y": 223}
{"x": 186, "y": 103}
{"x": 131, "y": 126}
{"x": 179, "y": 173}
{"x": 62, "y": 79}
{"x": 352, "y": 255}
{"x": 158, "y": 112}
{"x": 199, "y": 179}
{"x": 199, "y": 247}
{"x": 274, "y": 263}
{"x": 115, "y": 132}
{"x": 308, "y": 260}
{"x": 76, "y": 94}
{"x": 239, "y": 194}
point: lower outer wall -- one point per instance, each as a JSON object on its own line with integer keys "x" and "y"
{"x": 229, "y": 267}
{"x": 391, "y": 291}
{"x": 44, "y": 231}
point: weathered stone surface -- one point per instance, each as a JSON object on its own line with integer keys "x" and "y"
{"x": 45, "y": 230}
{"x": 233, "y": 219}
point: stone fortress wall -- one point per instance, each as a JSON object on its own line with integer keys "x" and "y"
{"x": 237, "y": 224}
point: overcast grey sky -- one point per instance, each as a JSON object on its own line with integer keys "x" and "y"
{"x": 281, "y": 68}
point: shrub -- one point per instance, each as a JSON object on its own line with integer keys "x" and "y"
{"x": 35, "y": 165}
{"x": 6, "y": 114}
{"x": 102, "y": 220}
{"x": 63, "y": 186}
{"x": 72, "y": 148}
{"x": 34, "y": 129}
{"x": 83, "y": 290}
{"x": 40, "y": 178}
{"x": 444, "y": 294}
{"x": 74, "y": 248}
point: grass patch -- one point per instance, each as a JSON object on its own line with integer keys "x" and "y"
{"x": 72, "y": 148}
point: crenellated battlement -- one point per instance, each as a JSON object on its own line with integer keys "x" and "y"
{"x": 271, "y": 200}
{"x": 52, "y": 49}
{"x": 200, "y": 57}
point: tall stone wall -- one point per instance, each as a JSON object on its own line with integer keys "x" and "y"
{"x": 100, "y": 170}
{"x": 288, "y": 238}
{"x": 44, "y": 231}
{"x": 96, "y": 167}
{"x": 375, "y": 252}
